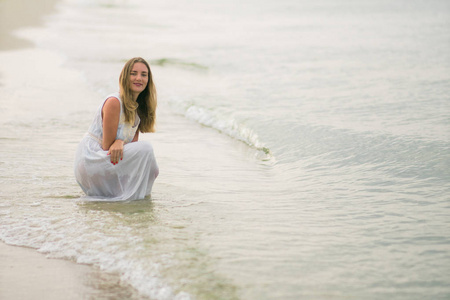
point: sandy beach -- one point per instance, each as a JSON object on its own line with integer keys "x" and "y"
{"x": 27, "y": 274}
{"x": 19, "y": 14}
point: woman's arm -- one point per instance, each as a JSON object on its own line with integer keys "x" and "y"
{"x": 111, "y": 115}
{"x": 136, "y": 136}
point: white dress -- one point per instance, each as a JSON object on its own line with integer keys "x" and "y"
{"x": 132, "y": 178}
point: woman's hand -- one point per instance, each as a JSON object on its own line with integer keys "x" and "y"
{"x": 116, "y": 151}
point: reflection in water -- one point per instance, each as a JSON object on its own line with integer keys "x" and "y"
{"x": 126, "y": 208}
{"x": 109, "y": 286}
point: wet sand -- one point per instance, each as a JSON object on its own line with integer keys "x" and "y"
{"x": 27, "y": 274}
{"x": 15, "y": 15}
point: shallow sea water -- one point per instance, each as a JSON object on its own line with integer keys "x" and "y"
{"x": 303, "y": 148}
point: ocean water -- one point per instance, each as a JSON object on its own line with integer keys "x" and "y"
{"x": 304, "y": 147}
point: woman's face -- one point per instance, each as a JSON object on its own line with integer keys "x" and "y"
{"x": 138, "y": 78}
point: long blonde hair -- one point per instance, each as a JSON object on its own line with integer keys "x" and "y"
{"x": 146, "y": 101}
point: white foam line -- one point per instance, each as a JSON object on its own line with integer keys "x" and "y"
{"x": 228, "y": 126}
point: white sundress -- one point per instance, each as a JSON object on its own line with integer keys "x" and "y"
{"x": 131, "y": 179}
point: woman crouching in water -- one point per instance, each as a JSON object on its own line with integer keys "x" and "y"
{"x": 110, "y": 163}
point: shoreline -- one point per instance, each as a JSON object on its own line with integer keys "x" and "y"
{"x": 28, "y": 274}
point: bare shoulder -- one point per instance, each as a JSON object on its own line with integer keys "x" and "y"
{"x": 111, "y": 104}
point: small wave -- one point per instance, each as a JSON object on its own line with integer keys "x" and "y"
{"x": 162, "y": 62}
{"x": 177, "y": 63}
{"x": 230, "y": 127}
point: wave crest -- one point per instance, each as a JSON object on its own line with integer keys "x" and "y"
{"x": 229, "y": 126}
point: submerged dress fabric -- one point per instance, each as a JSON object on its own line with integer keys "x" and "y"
{"x": 131, "y": 179}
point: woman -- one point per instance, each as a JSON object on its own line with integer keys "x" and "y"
{"x": 110, "y": 163}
